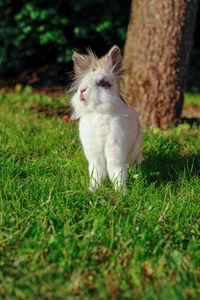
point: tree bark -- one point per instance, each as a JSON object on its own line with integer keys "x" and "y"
{"x": 157, "y": 49}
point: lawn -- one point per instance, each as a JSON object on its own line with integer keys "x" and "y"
{"x": 58, "y": 241}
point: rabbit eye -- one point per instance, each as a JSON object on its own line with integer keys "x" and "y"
{"x": 104, "y": 83}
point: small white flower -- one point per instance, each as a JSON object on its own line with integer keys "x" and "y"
{"x": 135, "y": 176}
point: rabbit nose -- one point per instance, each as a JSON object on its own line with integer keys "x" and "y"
{"x": 83, "y": 90}
{"x": 82, "y": 96}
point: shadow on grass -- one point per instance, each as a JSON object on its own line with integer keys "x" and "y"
{"x": 161, "y": 167}
{"x": 190, "y": 121}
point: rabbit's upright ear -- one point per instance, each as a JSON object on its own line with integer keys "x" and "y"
{"x": 115, "y": 57}
{"x": 80, "y": 63}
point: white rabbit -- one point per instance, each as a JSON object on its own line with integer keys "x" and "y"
{"x": 109, "y": 130}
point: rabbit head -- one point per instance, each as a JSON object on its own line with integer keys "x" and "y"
{"x": 96, "y": 87}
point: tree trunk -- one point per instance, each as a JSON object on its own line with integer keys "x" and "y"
{"x": 157, "y": 49}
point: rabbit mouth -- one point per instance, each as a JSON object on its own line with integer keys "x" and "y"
{"x": 83, "y": 98}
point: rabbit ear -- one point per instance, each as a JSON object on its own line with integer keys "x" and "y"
{"x": 116, "y": 59}
{"x": 80, "y": 63}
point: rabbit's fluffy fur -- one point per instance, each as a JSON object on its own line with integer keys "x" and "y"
{"x": 109, "y": 130}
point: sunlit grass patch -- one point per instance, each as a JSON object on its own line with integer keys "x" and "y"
{"x": 192, "y": 99}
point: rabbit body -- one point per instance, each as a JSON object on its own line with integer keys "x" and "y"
{"x": 109, "y": 130}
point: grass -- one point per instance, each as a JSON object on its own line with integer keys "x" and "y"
{"x": 58, "y": 241}
{"x": 192, "y": 99}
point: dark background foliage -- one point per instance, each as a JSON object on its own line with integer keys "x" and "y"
{"x": 34, "y": 33}
{"x": 43, "y": 33}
